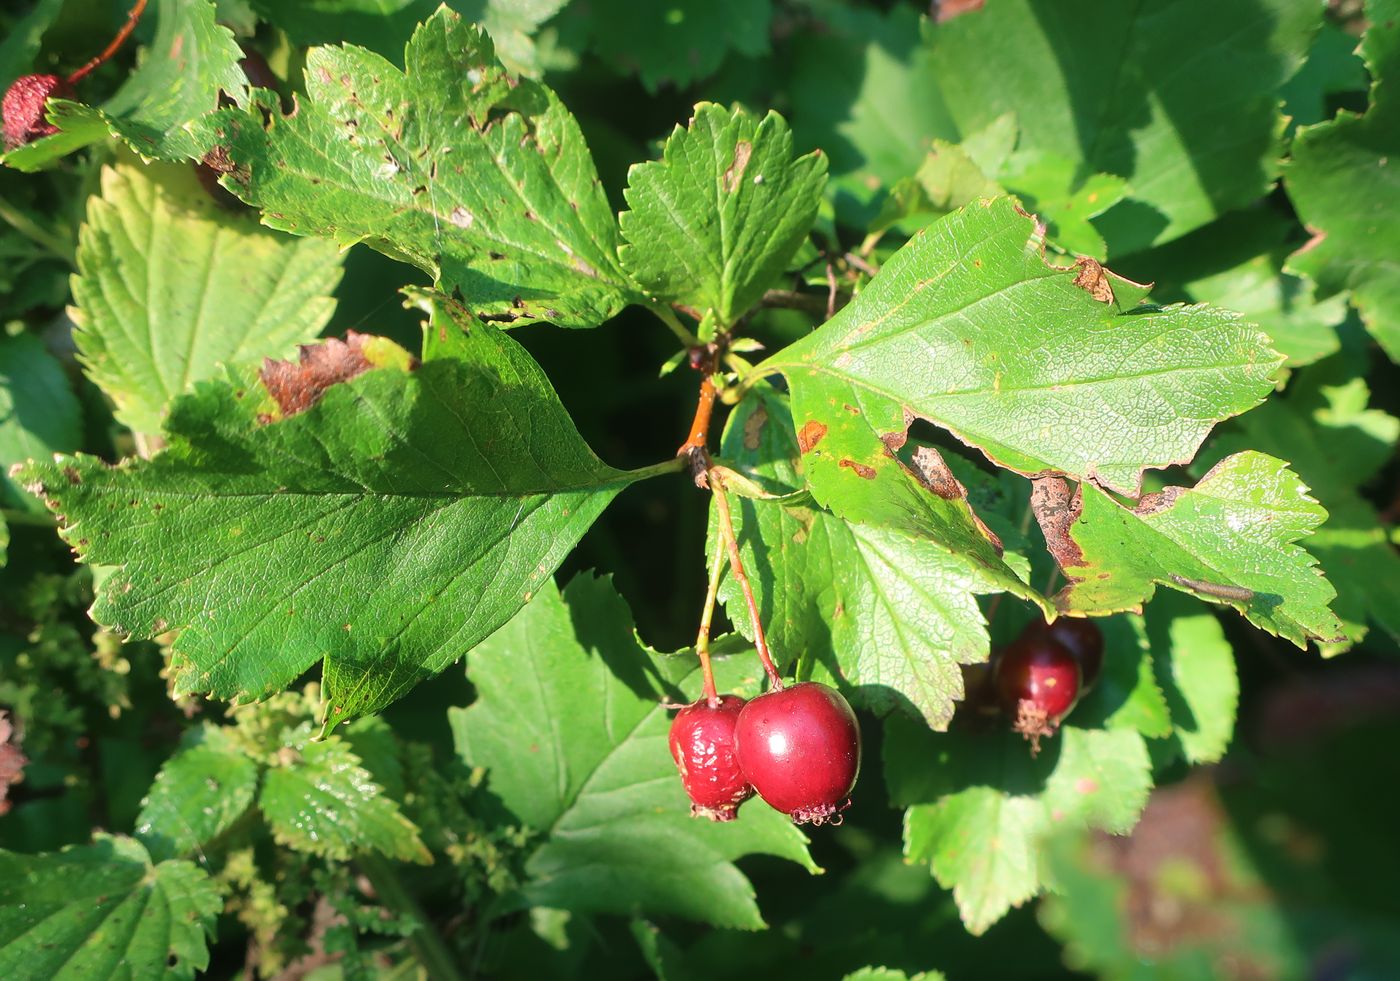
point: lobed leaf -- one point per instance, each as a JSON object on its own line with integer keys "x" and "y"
{"x": 170, "y": 285}
{"x": 388, "y": 528}
{"x": 968, "y": 327}
{"x": 198, "y": 794}
{"x": 571, "y": 725}
{"x": 717, "y": 219}
{"x": 190, "y": 60}
{"x": 1230, "y": 539}
{"x": 104, "y": 910}
{"x": 479, "y": 178}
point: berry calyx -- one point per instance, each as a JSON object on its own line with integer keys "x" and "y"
{"x": 800, "y": 748}
{"x": 23, "y": 108}
{"x": 702, "y": 744}
{"x": 1038, "y": 681}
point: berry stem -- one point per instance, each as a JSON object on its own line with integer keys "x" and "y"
{"x": 736, "y": 564}
{"x": 702, "y": 641}
{"x": 700, "y": 426}
{"x": 131, "y": 18}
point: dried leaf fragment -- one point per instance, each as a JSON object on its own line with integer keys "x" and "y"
{"x": 297, "y": 386}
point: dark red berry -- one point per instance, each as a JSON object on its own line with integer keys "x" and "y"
{"x": 702, "y": 744}
{"x": 1082, "y": 638}
{"x": 1038, "y": 681}
{"x": 24, "y": 107}
{"x": 800, "y": 748}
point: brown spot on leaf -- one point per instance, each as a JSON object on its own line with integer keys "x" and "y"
{"x": 218, "y": 160}
{"x": 297, "y": 386}
{"x": 743, "y": 150}
{"x": 753, "y": 427}
{"x": 931, "y": 470}
{"x": 810, "y": 435}
{"x": 72, "y": 476}
{"x": 1056, "y": 509}
{"x": 861, "y": 470}
{"x": 1094, "y": 279}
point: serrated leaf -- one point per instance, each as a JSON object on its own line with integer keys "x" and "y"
{"x": 1336, "y": 442}
{"x": 39, "y": 414}
{"x": 885, "y": 611}
{"x": 481, "y": 179}
{"x": 1339, "y": 181}
{"x": 716, "y": 220}
{"x": 198, "y": 794}
{"x": 189, "y": 62}
{"x": 1191, "y": 120}
{"x": 170, "y": 285}
{"x": 968, "y": 327}
{"x": 678, "y": 42}
{"x": 1230, "y": 539}
{"x": 390, "y": 527}
{"x": 321, "y": 801}
{"x": 103, "y": 910}
{"x": 980, "y": 806}
{"x": 570, "y": 724}
{"x": 1126, "y": 695}
{"x": 1195, "y": 666}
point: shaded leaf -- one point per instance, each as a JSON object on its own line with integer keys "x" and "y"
{"x": 170, "y": 285}
{"x": 569, "y": 723}
{"x": 103, "y": 910}
{"x": 1195, "y": 666}
{"x": 390, "y": 527}
{"x": 39, "y": 414}
{"x": 198, "y": 794}
{"x": 489, "y": 185}
{"x": 716, "y": 220}
{"x": 1339, "y": 181}
{"x": 968, "y": 327}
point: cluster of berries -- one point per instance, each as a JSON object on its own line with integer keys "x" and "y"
{"x": 798, "y": 747}
{"x": 1039, "y": 678}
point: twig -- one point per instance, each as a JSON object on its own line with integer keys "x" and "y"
{"x": 117, "y": 42}
{"x": 861, "y": 264}
{"x": 831, "y": 291}
{"x": 794, "y": 300}
{"x": 736, "y": 565}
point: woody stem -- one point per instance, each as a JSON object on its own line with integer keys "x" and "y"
{"x": 131, "y": 18}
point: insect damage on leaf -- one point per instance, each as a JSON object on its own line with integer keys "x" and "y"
{"x": 1057, "y": 508}
{"x": 1093, "y": 278}
{"x": 297, "y": 386}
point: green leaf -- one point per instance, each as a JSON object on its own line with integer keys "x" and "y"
{"x": 885, "y": 611}
{"x": 103, "y": 910}
{"x": 1333, "y": 68}
{"x": 968, "y": 327}
{"x": 570, "y": 723}
{"x": 170, "y": 285}
{"x": 1054, "y": 188}
{"x": 1230, "y": 539}
{"x": 1339, "y": 181}
{"x": 716, "y": 220}
{"x": 1127, "y": 695}
{"x": 1190, "y": 119}
{"x": 489, "y": 187}
{"x": 24, "y": 38}
{"x": 678, "y": 42}
{"x": 390, "y": 527}
{"x": 1336, "y": 443}
{"x": 1196, "y": 668}
{"x": 189, "y": 61}
{"x": 889, "y": 974}
{"x": 39, "y": 414}
{"x": 980, "y": 805}
{"x": 321, "y": 801}
{"x": 198, "y": 794}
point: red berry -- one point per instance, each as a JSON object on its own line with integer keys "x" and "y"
{"x": 800, "y": 748}
{"x": 702, "y": 744}
{"x": 1082, "y": 638}
{"x": 24, "y": 107}
{"x": 1038, "y": 681}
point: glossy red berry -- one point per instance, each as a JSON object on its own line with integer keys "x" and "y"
{"x": 23, "y": 107}
{"x": 702, "y": 744}
{"x": 1037, "y": 681}
{"x": 1082, "y": 638}
{"x": 800, "y": 748}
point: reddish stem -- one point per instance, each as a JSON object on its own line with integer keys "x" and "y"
{"x": 702, "y": 641}
{"x": 699, "y": 436}
{"x": 736, "y": 564}
{"x": 137, "y": 9}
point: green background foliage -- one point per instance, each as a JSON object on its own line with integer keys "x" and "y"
{"x": 349, "y": 576}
